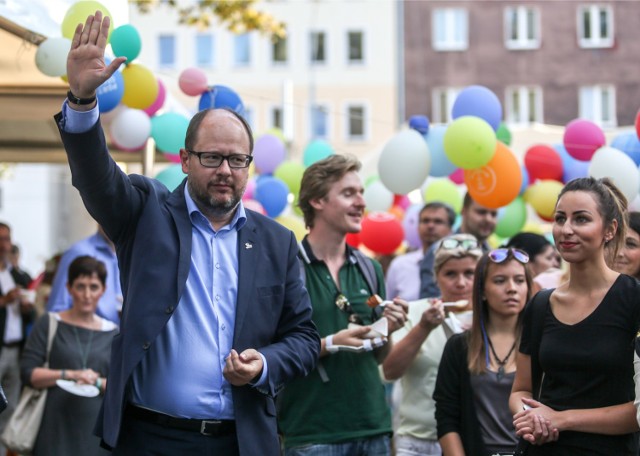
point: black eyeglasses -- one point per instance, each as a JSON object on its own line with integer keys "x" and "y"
{"x": 214, "y": 160}
{"x": 500, "y": 255}
{"x": 453, "y": 243}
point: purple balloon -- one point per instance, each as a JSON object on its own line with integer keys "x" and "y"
{"x": 478, "y": 101}
{"x": 571, "y": 168}
{"x": 410, "y": 226}
{"x": 268, "y": 153}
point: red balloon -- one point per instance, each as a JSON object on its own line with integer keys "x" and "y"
{"x": 543, "y": 162}
{"x": 353, "y": 239}
{"x": 381, "y": 233}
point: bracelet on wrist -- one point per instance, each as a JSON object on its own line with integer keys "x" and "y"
{"x": 80, "y": 101}
{"x": 328, "y": 344}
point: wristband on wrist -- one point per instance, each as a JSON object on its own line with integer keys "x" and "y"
{"x": 63, "y": 374}
{"x": 80, "y": 101}
{"x": 328, "y": 344}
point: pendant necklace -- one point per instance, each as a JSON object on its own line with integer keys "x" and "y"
{"x": 84, "y": 350}
{"x": 501, "y": 362}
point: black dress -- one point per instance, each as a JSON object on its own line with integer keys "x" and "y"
{"x": 68, "y": 421}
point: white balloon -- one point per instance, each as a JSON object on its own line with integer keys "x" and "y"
{"x": 404, "y": 162}
{"x": 131, "y": 128}
{"x": 378, "y": 197}
{"x": 51, "y": 56}
{"x": 619, "y": 167}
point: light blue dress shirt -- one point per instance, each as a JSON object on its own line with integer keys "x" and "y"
{"x": 182, "y": 374}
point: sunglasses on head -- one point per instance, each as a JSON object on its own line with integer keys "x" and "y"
{"x": 501, "y": 255}
{"x": 453, "y": 243}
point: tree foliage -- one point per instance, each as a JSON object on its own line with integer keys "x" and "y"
{"x": 238, "y": 16}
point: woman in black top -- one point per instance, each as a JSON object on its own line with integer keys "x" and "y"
{"x": 585, "y": 389}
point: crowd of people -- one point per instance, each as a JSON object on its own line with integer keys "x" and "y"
{"x": 212, "y": 331}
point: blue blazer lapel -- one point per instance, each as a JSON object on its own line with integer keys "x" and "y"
{"x": 177, "y": 207}
{"x": 248, "y": 254}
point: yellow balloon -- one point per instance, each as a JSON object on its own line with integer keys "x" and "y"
{"x": 295, "y": 224}
{"x": 542, "y": 196}
{"x": 140, "y": 86}
{"x": 78, "y": 13}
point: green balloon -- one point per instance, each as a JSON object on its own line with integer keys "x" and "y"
{"x": 469, "y": 142}
{"x": 291, "y": 174}
{"x": 126, "y": 42}
{"x": 168, "y": 131}
{"x": 317, "y": 150}
{"x": 171, "y": 176}
{"x": 512, "y": 219}
{"x": 444, "y": 191}
{"x": 503, "y": 134}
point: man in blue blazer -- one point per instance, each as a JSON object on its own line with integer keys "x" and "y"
{"x": 215, "y": 317}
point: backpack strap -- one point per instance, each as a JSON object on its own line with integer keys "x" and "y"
{"x": 368, "y": 270}
{"x": 539, "y": 305}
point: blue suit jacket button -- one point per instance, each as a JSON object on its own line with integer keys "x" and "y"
{"x": 146, "y": 345}
{"x": 169, "y": 309}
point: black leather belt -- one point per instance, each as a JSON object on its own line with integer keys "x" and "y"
{"x": 213, "y": 428}
{"x": 11, "y": 344}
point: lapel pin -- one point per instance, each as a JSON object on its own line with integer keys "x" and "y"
{"x": 248, "y": 245}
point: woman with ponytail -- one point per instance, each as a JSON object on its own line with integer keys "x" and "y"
{"x": 478, "y": 366}
{"x": 576, "y": 352}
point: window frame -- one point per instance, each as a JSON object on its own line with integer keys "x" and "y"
{"x": 524, "y": 92}
{"x": 325, "y": 47}
{"x": 237, "y": 63}
{"x": 436, "y": 106}
{"x": 449, "y": 24}
{"x": 522, "y": 42}
{"x": 174, "y": 62}
{"x": 597, "y": 107}
{"x": 272, "y": 46}
{"x": 327, "y": 110}
{"x": 363, "y": 47}
{"x": 212, "y": 62}
{"x": 594, "y": 11}
{"x": 366, "y": 128}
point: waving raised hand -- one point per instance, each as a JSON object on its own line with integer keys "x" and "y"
{"x": 86, "y": 68}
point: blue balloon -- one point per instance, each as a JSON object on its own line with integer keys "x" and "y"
{"x": 629, "y": 144}
{"x": 480, "y": 102}
{"x": 273, "y": 194}
{"x": 571, "y": 168}
{"x": 110, "y": 92}
{"x": 171, "y": 176}
{"x": 525, "y": 180}
{"x": 441, "y": 166}
{"x": 221, "y": 97}
{"x": 419, "y": 123}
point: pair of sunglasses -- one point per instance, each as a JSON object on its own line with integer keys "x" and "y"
{"x": 344, "y": 305}
{"x": 452, "y": 243}
{"x": 501, "y": 255}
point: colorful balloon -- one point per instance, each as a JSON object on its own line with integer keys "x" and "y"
{"x": 110, "y": 92}
{"x": 543, "y": 162}
{"x": 542, "y": 196}
{"x": 504, "y": 134}
{"x": 498, "y": 182}
{"x": 131, "y": 128}
{"x": 444, "y": 191}
{"x": 268, "y": 153}
{"x": 273, "y": 194}
{"x": 441, "y": 166}
{"x": 582, "y": 138}
{"x": 254, "y": 205}
{"x": 629, "y": 144}
{"x": 51, "y": 56}
{"x": 293, "y": 223}
{"x": 290, "y": 172}
{"x": 512, "y": 218}
{"x": 126, "y": 42}
{"x": 171, "y": 176}
{"x": 410, "y": 225}
{"x": 619, "y": 167}
{"x": 469, "y": 142}
{"x": 140, "y": 86}
{"x": 316, "y": 151}
{"x": 168, "y": 131}
{"x": 381, "y": 233}
{"x": 193, "y": 82}
{"x": 457, "y": 177}
{"x": 78, "y": 13}
{"x": 404, "y": 162}
{"x": 419, "y": 123}
{"x": 378, "y": 197}
{"x": 571, "y": 168}
{"x": 221, "y": 97}
{"x": 478, "y": 101}
{"x": 159, "y": 101}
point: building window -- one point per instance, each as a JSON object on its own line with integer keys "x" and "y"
{"x": 442, "y": 104}
{"x": 598, "y": 104}
{"x": 276, "y": 117}
{"x": 355, "y": 48}
{"x": 279, "y": 51}
{"x": 595, "y": 26}
{"x": 523, "y": 105}
{"x": 204, "y": 50}
{"x": 241, "y": 50}
{"x": 450, "y": 29}
{"x": 522, "y": 27}
{"x": 167, "y": 47}
{"x": 319, "y": 122}
{"x": 356, "y": 122}
{"x": 318, "y": 45}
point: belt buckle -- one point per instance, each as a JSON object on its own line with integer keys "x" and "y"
{"x": 203, "y": 427}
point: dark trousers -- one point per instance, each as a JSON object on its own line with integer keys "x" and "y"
{"x": 141, "y": 438}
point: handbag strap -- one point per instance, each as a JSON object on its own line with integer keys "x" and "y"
{"x": 539, "y": 305}
{"x": 53, "y": 328}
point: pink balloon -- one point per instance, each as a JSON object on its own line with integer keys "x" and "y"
{"x": 193, "y": 81}
{"x": 457, "y": 176}
{"x": 254, "y": 206}
{"x": 160, "y": 99}
{"x": 251, "y": 188}
{"x": 173, "y": 158}
{"x": 582, "y": 138}
{"x": 402, "y": 201}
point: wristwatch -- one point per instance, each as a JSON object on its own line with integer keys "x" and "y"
{"x": 80, "y": 101}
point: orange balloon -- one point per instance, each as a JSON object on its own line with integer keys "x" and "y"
{"x": 497, "y": 183}
{"x": 397, "y": 212}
